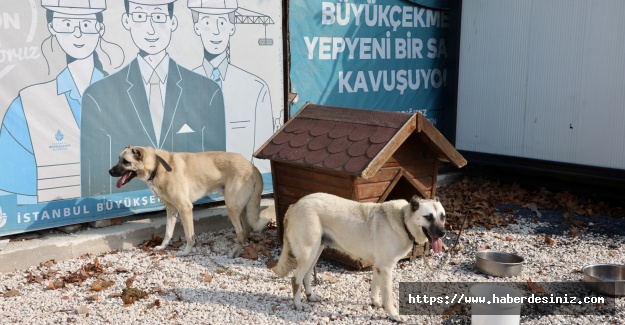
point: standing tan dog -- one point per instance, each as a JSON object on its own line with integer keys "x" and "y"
{"x": 180, "y": 178}
{"x": 377, "y": 233}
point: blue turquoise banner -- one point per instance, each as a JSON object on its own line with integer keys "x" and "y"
{"x": 385, "y": 55}
{"x": 82, "y": 79}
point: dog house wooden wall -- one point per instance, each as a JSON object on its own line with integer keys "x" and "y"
{"x": 362, "y": 155}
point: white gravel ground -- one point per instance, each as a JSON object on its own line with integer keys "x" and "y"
{"x": 241, "y": 291}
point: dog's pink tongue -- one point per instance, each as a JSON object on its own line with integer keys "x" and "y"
{"x": 121, "y": 180}
{"x": 437, "y": 245}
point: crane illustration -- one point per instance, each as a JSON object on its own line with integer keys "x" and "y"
{"x": 249, "y": 17}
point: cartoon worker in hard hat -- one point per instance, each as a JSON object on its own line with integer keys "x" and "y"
{"x": 40, "y": 134}
{"x": 151, "y": 102}
{"x": 249, "y": 115}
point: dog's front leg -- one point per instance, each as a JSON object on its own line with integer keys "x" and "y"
{"x": 375, "y": 287}
{"x": 297, "y": 293}
{"x": 386, "y": 283}
{"x": 169, "y": 228}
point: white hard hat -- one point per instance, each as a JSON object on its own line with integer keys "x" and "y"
{"x": 75, "y": 7}
{"x": 152, "y": 2}
{"x": 213, "y": 6}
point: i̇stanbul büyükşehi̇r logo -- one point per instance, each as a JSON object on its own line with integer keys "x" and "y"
{"x": 58, "y": 136}
{"x": 59, "y": 144}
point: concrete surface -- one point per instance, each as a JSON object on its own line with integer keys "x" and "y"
{"x": 59, "y": 246}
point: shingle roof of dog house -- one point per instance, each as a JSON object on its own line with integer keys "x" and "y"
{"x": 353, "y": 141}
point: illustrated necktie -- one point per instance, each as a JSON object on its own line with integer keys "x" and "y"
{"x": 156, "y": 105}
{"x": 217, "y": 76}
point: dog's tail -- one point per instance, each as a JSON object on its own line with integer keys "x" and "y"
{"x": 287, "y": 261}
{"x": 252, "y": 210}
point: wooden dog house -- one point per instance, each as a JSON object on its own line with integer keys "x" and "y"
{"x": 362, "y": 155}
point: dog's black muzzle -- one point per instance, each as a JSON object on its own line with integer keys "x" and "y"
{"x": 435, "y": 231}
{"x": 117, "y": 171}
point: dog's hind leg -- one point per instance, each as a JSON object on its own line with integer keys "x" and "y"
{"x": 308, "y": 278}
{"x": 234, "y": 214}
{"x": 186, "y": 217}
{"x": 306, "y": 258}
{"x": 252, "y": 209}
{"x": 169, "y": 227}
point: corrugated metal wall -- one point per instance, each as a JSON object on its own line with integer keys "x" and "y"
{"x": 543, "y": 79}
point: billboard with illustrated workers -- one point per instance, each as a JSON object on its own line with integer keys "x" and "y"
{"x": 82, "y": 79}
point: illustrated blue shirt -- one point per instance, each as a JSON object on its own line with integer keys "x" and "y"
{"x": 15, "y": 140}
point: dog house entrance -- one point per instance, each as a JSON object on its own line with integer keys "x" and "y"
{"x": 403, "y": 187}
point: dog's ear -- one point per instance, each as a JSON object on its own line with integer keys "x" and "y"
{"x": 137, "y": 153}
{"x": 414, "y": 203}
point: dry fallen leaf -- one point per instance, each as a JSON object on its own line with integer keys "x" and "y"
{"x": 131, "y": 280}
{"x": 83, "y": 310}
{"x": 48, "y": 263}
{"x": 272, "y": 263}
{"x": 250, "y": 252}
{"x": 574, "y": 231}
{"x": 266, "y": 252}
{"x": 220, "y": 271}
{"x": 207, "y": 277}
{"x": 99, "y": 285}
{"x": 57, "y": 284}
{"x": 535, "y": 288}
{"x": 451, "y": 310}
{"x": 328, "y": 277}
{"x": 550, "y": 241}
{"x": 12, "y": 293}
{"x": 130, "y": 295}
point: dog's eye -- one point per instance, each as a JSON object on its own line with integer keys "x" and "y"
{"x": 430, "y": 217}
{"x": 442, "y": 217}
{"x": 125, "y": 162}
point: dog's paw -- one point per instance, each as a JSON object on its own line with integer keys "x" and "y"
{"x": 313, "y": 297}
{"x": 297, "y": 305}
{"x": 235, "y": 252}
{"x": 397, "y": 318}
{"x": 376, "y": 303}
{"x": 158, "y": 248}
{"x": 184, "y": 252}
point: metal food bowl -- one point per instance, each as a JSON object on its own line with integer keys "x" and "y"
{"x": 608, "y": 279}
{"x": 498, "y": 263}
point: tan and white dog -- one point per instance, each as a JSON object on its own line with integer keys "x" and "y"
{"x": 180, "y": 178}
{"x": 376, "y": 233}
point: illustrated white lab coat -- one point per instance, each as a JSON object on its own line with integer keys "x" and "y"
{"x": 249, "y": 116}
